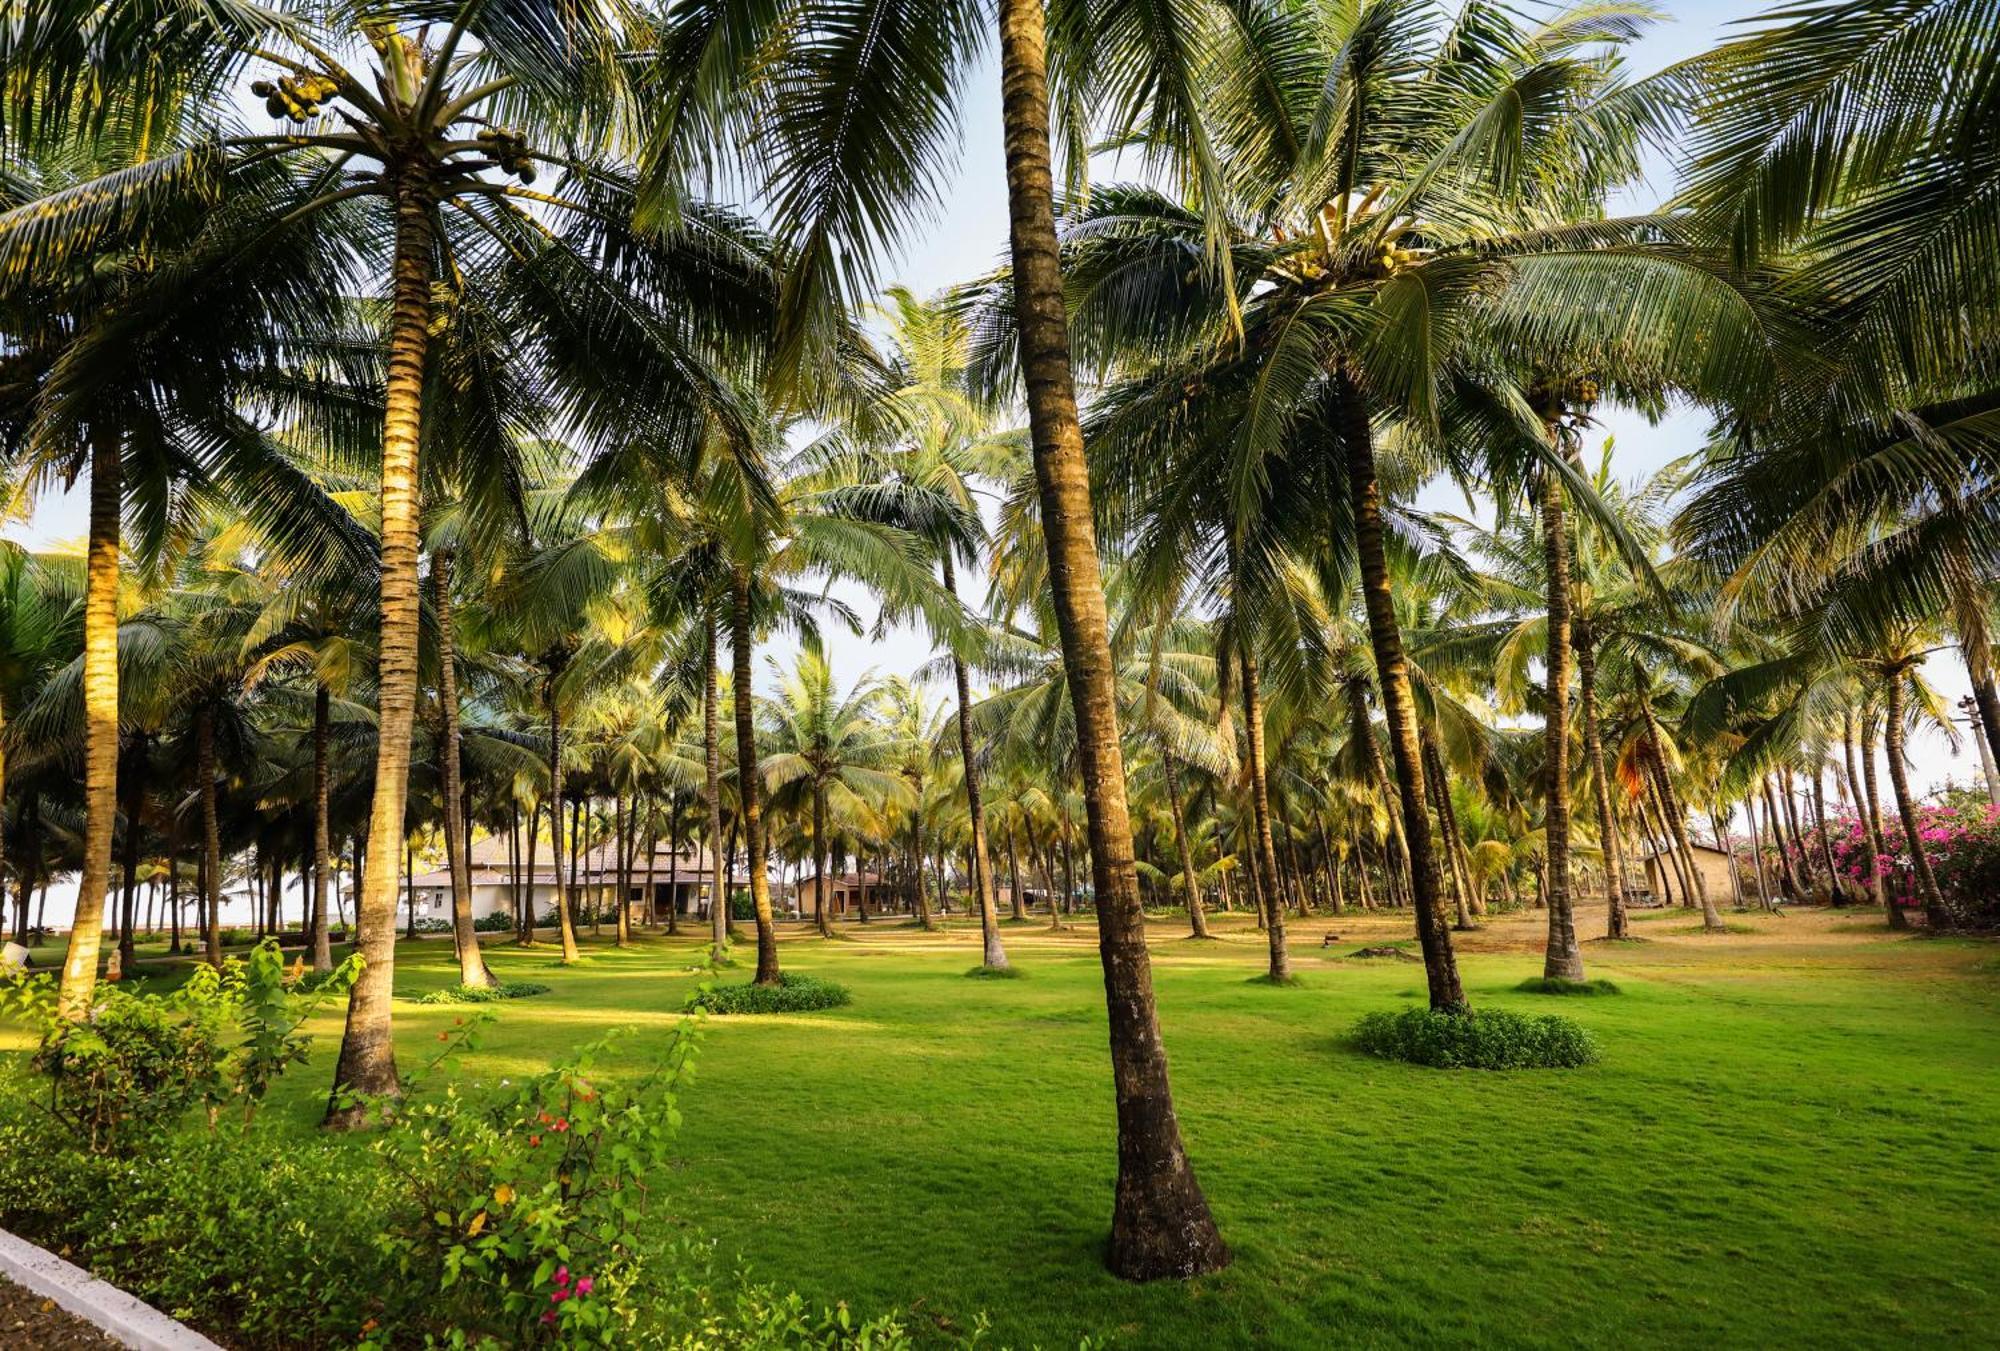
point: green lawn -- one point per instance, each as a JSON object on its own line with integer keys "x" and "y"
{"x": 1793, "y": 1137}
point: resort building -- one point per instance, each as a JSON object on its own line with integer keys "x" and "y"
{"x": 680, "y": 882}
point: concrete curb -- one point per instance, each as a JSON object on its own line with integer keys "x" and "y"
{"x": 123, "y": 1318}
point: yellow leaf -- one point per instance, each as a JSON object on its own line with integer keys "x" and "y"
{"x": 478, "y": 1223}
{"x": 503, "y": 1194}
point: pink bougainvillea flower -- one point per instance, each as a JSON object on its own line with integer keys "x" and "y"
{"x": 583, "y": 1286}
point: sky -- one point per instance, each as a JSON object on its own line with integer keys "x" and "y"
{"x": 969, "y": 236}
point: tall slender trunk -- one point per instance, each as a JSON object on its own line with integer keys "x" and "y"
{"x": 100, "y": 718}
{"x": 993, "y": 955}
{"x": 1197, "y": 918}
{"x": 1434, "y": 782}
{"x": 211, "y": 835}
{"x": 1834, "y": 894}
{"x": 749, "y": 791}
{"x": 133, "y": 789}
{"x": 711, "y": 755}
{"x": 820, "y": 862}
{"x": 1279, "y": 968}
{"x": 317, "y": 939}
{"x": 528, "y": 916}
{"x": 1728, "y": 852}
{"x": 1789, "y": 793}
{"x": 1757, "y": 852}
{"x": 565, "y": 919}
{"x": 1928, "y": 894}
{"x": 1617, "y": 922}
{"x": 1562, "y": 958}
{"x": 1017, "y": 904}
{"x": 1775, "y": 819}
{"x": 1871, "y": 815}
{"x": 367, "y": 1049}
{"x": 924, "y": 919}
{"x": 626, "y": 826}
{"x": 673, "y": 863}
{"x": 1160, "y": 1224}
{"x": 173, "y": 881}
{"x": 1398, "y": 703}
{"x": 472, "y": 969}
{"x": 1711, "y": 920}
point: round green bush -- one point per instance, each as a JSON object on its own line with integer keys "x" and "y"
{"x": 475, "y": 994}
{"x": 1557, "y": 985}
{"x": 792, "y": 994}
{"x": 1490, "y": 1039}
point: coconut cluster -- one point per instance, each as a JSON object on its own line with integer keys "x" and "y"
{"x": 509, "y": 149}
{"x": 295, "y": 96}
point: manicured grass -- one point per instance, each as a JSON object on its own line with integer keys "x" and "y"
{"x": 1791, "y": 1138}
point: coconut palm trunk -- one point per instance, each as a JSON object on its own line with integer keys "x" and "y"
{"x": 993, "y": 955}
{"x": 100, "y": 717}
{"x": 472, "y": 969}
{"x": 1617, "y": 923}
{"x": 749, "y": 791}
{"x": 1676, "y": 822}
{"x": 1160, "y": 1223}
{"x": 821, "y": 920}
{"x": 711, "y": 752}
{"x": 1197, "y": 917}
{"x": 211, "y": 836}
{"x": 565, "y": 920}
{"x": 1928, "y": 894}
{"x": 132, "y": 786}
{"x": 317, "y": 940}
{"x": 367, "y": 1065}
{"x": 1398, "y": 704}
{"x": 1562, "y": 959}
{"x": 1279, "y": 966}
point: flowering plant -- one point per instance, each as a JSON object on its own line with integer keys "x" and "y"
{"x": 528, "y": 1211}
{"x": 1961, "y": 843}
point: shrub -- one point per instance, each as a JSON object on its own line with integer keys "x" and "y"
{"x": 1557, "y": 985}
{"x": 1489, "y": 1039}
{"x": 499, "y": 922}
{"x": 485, "y": 994}
{"x": 792, "y": 994}
{"x": 432, "y": 924}
{"x": 741, "y": 906}
{"x": 141, "y": 1061}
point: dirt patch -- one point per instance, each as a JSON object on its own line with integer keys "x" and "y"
{"x": 30, "y": 1320}
{"x": 1386, "y": 954}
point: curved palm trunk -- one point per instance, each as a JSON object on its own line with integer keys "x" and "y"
{"x": 1160, "y": 1224}
{"x": 1928, "y": 894}
{"x": 565, "y": 920}
{"x": 1871, "y": 816}
{"x": 993, "y": 956}
{"x": 367, "y": 1050}
{"x": 1617, "y": 921}
{"x": 472, "y": 969}
{"x": 317, "y": 940}
{"x": 100, "y": 716}
{"x": 1279, "y": 968}
{"x": 211, "y": 837}
{"x": 1676, "y": 820}
{"x": 748, "y": 789}
{"x": 1398, "y": 705}
{"x": 1197, "y": 917}
{"x": 1562, "y": 959}
{"x": 711, "y": 750}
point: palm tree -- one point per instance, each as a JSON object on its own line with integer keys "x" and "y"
{"x": 833, "y": 748}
